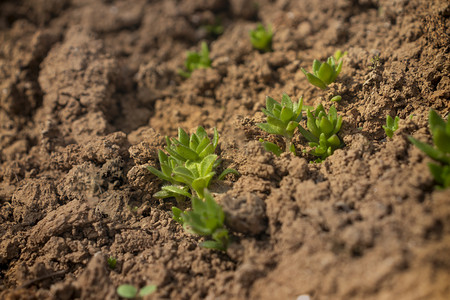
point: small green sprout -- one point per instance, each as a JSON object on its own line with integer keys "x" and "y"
{"x": 261, "y": 38}
{"x": 282, "y": 119}
{"x": 112, "y": 262}
{"x": 196, "y": 60}
{"x": 207, "y": 219}
{"x": 440, "y": 131}
{"x": 391, "y": 126}
{"x": 323, "y": 129}
{"x": 130, "y": 292}
{"x": 189, "y": 164}
{"x": 336, "y": 98}
{"x": 215, "y": 29}
{"x": 325, "y": 73}
{"x": 375, "y": 62}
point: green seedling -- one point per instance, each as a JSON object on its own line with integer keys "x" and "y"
{"x": 282, "y": 119}
{"x": 130, "y": 292}
{"x": 261, "y": 38}
{"x": 391, "y": 126}
{"x": 207, "y": 219}
{"x": 325, "y": 73}
{"x": 440, "y": 131}
{"x": 112, "y": 262}
{"x": 196, "y": 60}
{"x": 323, "y": 129}
{"x": 336, "y": 98}
{"x": 189, "y": 165}
{"x": 215, "y": 29}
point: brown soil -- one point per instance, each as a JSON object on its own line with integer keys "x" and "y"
{"x": 89, "y": 88}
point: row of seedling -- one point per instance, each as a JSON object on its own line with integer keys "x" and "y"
{"x": 187, "y": 169}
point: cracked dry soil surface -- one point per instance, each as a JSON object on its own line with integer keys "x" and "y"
{"x": 89, "y": 89}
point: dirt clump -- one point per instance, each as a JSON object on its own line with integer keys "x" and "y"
{"x": 89, "y": 90}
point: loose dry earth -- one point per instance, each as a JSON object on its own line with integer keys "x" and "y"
{"x": 88, "y": 89}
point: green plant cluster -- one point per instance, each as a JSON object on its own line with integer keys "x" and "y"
{"x": 206, "y": 219}
{"x": 440, "y": 152}
{"x": 325, "y": 73}
{"x": 282, "y": 119}
{"x": 261, "y": 38}
{"x": 196, "y": 60}
{"x": 188, "y": 168}
{"x": 391, "y": 126}
{"x": 189, "y": 165}
{"x": 323, "y": 129}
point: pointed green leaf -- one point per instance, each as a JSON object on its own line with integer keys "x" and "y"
{"x": 429, "y": 150}
{"x": 308, "y": 135}
{"x": 298, "y": 109}
{"x": 389, "y": 121}
{"x": 325, "y": 73}
{"x": 270, "y": 103}
{"x": 166, "y": 169}
{"x": 291, "y": 126}
{"x": 159, "y": 174}
{"x": 270, "y": 128}
{"x": 311, "y": 123}
{"x": 202, "y": 145}
{"x": 183, "y": 137}
{"x": 334, "y": 141}
{"x": 162, "y": 156}
{"x": 173, "y": 152}
{"x": 332, "y": 114}
{"x": 338, "y": 69}
{"x": 286, "y": 101}
{"x": 177, "y": 214}
{"x": 206, "y": 164}
{"x": 228, "y": 171}
{"x": 163, "y": 194}
{"x": 183, "y": 174}
{"x": 435, "y": 121}
{"x": 208, "y": 150}
{"x": 441, "y": 139}
{"x": 286, "y": 115}
{"x": 201, "y": 133}
{"x": 316, "y": 66}
{"x": 212, "y": 245}
{"x": 215, "y": 140}
{"x": 194, "y": 141}
{"x": 325, "y": 126}
{"x": 176, "y": 190}
{"x": 338, "y": 125}
{"x": 198, "y": 206}
{"x": 187, "y": 153}
{"x": 271, "y": 147}
{"x": 316, "y": 81}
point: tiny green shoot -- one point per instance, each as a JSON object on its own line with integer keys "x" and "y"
{"x": 112, "y": 262}
{"x": 206, "y": 219}
{"x": 391, "y": 126}
{"x": 336, "y": 98}
{"x": 325, "y": 73}
{"x": 323, "y": 129}
{"x": 196, "y": 60}
{"x": 130, "y": 292}
{"x": 261, "y": 38}
{"x": 215, "y": 29}
{"x": 282, "y": 119}
{"x": 440, "y": 152}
